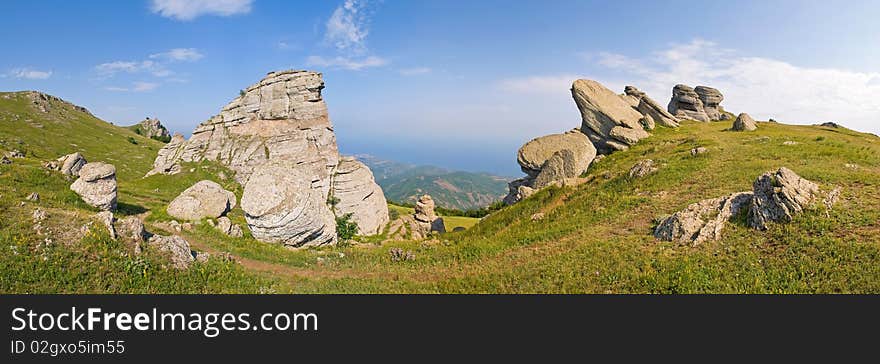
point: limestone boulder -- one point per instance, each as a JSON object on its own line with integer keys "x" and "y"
{"x": 225, "y": 225}
{"x": 744, "y": 122}
{"x": 533, "y": 155}
{"x": 283, "y": 205}
{"x": 96, "y": 185}
{"x": 653, "y": 113}
{"x": 711, "y": 99}
{"x": 519, "y": 189}
{"x": 686, "y": 104}
{"x": 70, "y": 164}
{"x": 177, "y": 249}
{"x": 642, "y": 168}
{"x": 702, "y": 221}
{"x": 560, "y": 166}
{"x": 424, "y": 210}
{"x": 205, "y": 199}
{"x": 779, "y": 196}
{"x": 357, "y": 193}
{"x": 601, "y": 111}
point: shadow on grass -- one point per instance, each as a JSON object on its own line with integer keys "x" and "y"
{"x": 125, "y": 209}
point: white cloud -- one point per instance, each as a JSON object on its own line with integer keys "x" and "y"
{"x": 110, "y": 69}
{"x": 347, "y": 28}
{"x": 191, "y": 9}
{"x": 549, "y": 84}
{"x": 179, "y": 55}
{"x": 346, "y": 62}
{"x": 414, "y": 71}
{"x": 135, "y": 87}
{"x": 30, "y": 74}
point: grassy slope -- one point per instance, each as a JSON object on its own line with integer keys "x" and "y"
{"x": 595, "y": 237}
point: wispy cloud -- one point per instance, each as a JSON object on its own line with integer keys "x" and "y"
{"x": 179, "y": 55}
{"x": 354, "y": 64}
{"x": 190, "y": 9}
{"x": 552, "y": 84}
{"x": 29, "y": 73}
{"x": 346, "y": 31}
{"x": 414, "y": 71}
{"x": 135, "y": 87}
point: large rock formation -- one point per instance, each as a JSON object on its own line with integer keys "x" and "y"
{"x": 97, "y": 185}
{"x": 653, "y": 113}
{"x": 205, "y": 199}
{"x": 701, "y": 103}
{"x": 607, "y": 119}
{"x": 423, "y": 222}
{"x": 355, "y": 192}
{"x": 744, "y": 122}
{"x": 550, "y": 159}
{"x": 279, "y": 129}
{"x": 282, "y": 204}
{"x": 152, "y": 128}
{"x": 778, "y": 196}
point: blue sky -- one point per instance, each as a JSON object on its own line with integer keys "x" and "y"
{"x": 459, "y": 84}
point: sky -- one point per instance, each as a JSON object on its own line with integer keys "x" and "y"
{"x": 456, "y": 84}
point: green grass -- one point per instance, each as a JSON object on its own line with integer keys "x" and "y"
{"x": 594, "y": 238}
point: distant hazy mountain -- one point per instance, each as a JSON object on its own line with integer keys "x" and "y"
{"x": 405, "y": 182}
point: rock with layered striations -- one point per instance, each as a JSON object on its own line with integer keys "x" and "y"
{"x": 282, "y": 204}
{"x": 96, "y": 185}
{"x": 152, "y": 128}
{"x": 534, "y": 154}
{"x": 653, "y": 113}
{"x": 356, "y": 192}
{"x": 702, "y": 221}
{"x": 603, "y": 111}
{"x": 205, "y": 199}
{"x": 711, "y": 99}
{"x": 560, "y": 166}
{"x": 519, "y": 189}
{"x": 686, "y": 104}
{"x": 70, "y": 164}
{"x": 177, "y": 249}
{"x": 744, "y": 122}
{"x": 424, "y": 210}
{"x": 225, "y": 225}
{"x": 780, "y": 195}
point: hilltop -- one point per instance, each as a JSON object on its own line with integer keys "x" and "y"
{"x": 404, "y": 182}
{"x": 595, "y": 236}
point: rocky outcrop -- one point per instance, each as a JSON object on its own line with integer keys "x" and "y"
{"x": 744, "y": 122}
{"x": 282, "y": 204}
{"x": 642, "y": 168}
{"x": 711, "y": 99}
{"x": 282, "y": 118}
{"x": 355, "y": 192}
{"x": 96, "y": 185}
{"x": 70, "y": 164}
{"x": 205, "y": 199}
{"x": 702, "y": 103}
{"x": 702, "y": 221}
{"x": 152, "y": 128}
{"x": 778, "y": 196}
{"x": 653, "y": 113}
{"x": 609, "y": 121}
{"x": 519, "y": 189}
{"x": 106, "y": 218}
{"x": 177, "y": 249}
{"x": 421, "y": 224}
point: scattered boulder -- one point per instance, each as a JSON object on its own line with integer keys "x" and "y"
{"x": 744, "y": 122}
{"x": 177, "y": 248}
{"x": 15, "y": 153}
{"x": 830, "y": 124}
{"x": 96, "y": 185}
{"x": 227, "y": 227}
{"x": 70, "y": 164}
{"x": 702, "y": 221}
{"x": 698, "y": 150}
{"x": 603, "y": 111}
{"x": 205, "y": 199}
{"x": 281, "y": 204}
{"x": 642, "y": 168}
{"x": 4, "y": 160}
{"x": 35, "y": 197}
{"x": 132, "y": 228}
{"x": 424, "y": 214}
{"x": 533, "y": 155}
{"x": 152, "y": 128}
{"x": 790, "y": 142}
{"x": 357, "y": 193}
{"x": 778, "y": 196}
{"x": 537, "y": 216}
{"x": 399, "y": 255}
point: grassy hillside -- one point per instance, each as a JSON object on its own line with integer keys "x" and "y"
{"x": 595, "y": 237}
{"x": 402, "y": 182}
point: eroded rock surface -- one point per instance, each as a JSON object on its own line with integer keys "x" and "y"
{"x": 744, "y": 122}
{"x": 177, "y": 249}
{"x": 96, "y": 185}
{"x": 686, "y": 104}
{"x": 607, "y": 119}
{"x": 357, "y": 193}
{"x": 702, "y": 221}
{"x": 533, "y": 155}
{"x": 205, "y": 199}
{"x": 778, "y": 196}
{"x": 153, "y": 128}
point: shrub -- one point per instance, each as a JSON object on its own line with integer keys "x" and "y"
{"x": 163, "y": 139}
{"x": 345, "y": 228}
{"x": 393, "y": 214}
{"x": 132, "y": 140}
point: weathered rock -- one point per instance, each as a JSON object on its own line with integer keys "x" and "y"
{"x": 5, "y": 160}
{"x": 560, "y": 166}
{"x": 96, "y": 185}
{"x": 830, "y": 124}
{"x": 744, "y": 122}
{"x": 686, "y": 104}
{"x": 152, "y": 128}
{"x": 205, "y": 199}
{"x": 15, "y": 153}
{"x": 357, "y": 193}
{"x": 653, "y": 113}
{"x": 71, "y": 164}
{"x": 778, "y": 196}
{"x": 519, "y": 189}
{"x": 702, "y": 221}
{"x": 699, "y": 150}
{"x": 35, "y": 197}
{"x": 106, "y": 218}
{"x": 711, "y": 99}
{"x": 132, "y": 228}
{"x": 537, "y": 216}
{"x": 534, "y": 154}
{"x": 642, "y": 168}
{"x": 424, "y": 210}
{"x": 227, "y": 227}
{"x": 281, "y": 204}
{"x": 177, "y": 248}
{"x": 601, "y": 111}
